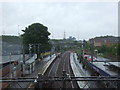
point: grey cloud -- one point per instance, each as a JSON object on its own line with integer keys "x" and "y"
{"x": 86, "y": 19}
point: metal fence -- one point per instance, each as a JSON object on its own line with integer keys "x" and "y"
{"x": 41, "y": 81}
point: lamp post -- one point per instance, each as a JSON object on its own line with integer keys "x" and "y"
{"x": 30, "y": 46}
{"x": 96, "y": 52}
{"x": 116, "y": 53}
{"x": 92, "y": 52}
{"x": 10, "y": 67}
{"x": 82, "y": 49}
{"x": 38, "y": 51}
{"x": 23, "y": 61}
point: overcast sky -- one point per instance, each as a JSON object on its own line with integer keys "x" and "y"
{"x": 82, "y": 20}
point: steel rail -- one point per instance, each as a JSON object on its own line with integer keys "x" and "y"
{"x": 18, "y": 78}
{"x": 62, "y": 77}
{"x": 22, "y": 80}
{"x": 89, "y": 77}
{"x": 104, "y": 61}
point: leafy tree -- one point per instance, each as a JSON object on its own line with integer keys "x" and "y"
{"x": 11, "y": 39}
{"x": 118, "y": 50}
{"x": 102, "y": 49}
{"x": 57, "y": 48}
{"x": 86, "y": 45}
{"x": 36, "y": 34}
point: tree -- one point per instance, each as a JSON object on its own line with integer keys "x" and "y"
{"x": 86, "y": 45}
{"x": 103, "y": 49}
{"x": 36, "y": 34}
{"x": 118, "y": 50}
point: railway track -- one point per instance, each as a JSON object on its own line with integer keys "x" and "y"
{"x": 61, "y": 64}
{"x": 55, "y": 78}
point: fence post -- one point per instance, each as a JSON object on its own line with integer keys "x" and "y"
{"x": 64, "y": 82}
{"x": 39, "y": 81}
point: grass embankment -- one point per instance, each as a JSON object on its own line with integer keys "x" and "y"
{"x": 43, "y": 55}
{"x": 111, "y": 57}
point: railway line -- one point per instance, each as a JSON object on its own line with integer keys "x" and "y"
{"x": 66, "y": 72}
{"x": 60, "y": 65}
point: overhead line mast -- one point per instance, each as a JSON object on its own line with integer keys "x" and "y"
{"x": 64, "y": 35}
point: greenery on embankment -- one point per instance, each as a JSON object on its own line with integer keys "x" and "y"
{"x": 111, "y": 52}
{"x": 11, "y": 39}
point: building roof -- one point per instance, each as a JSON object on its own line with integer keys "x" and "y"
{"x": 105, "y": 39}
{"x": 32, "y": 59}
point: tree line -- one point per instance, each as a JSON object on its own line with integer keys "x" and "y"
{"x": 113, "y": 50}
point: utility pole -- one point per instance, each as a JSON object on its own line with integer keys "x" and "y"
{"x": 116, "y": 53}
{"x": 38, "y": 51}
{"x": 10, "y": 67}
{"x": 18, "y": 31}
{"x": 64, "y": 36}
{"x": 23, "y": 60}
{"x": 82, "y": 49}
{"x": 30, "y": 46}
{"x": 64, "y": 82}
{"x": 92, "y": 52}
{"x": 19, "y": 40}
{"x": 34, "y": 48}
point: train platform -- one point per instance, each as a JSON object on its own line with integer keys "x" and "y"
{"x": 38, "y": 69}
{"x": 104, "y": 67}
{"x": 116, "y": 64}
{"x": 80, "y": 72}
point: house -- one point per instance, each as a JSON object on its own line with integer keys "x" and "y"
{"x": 106, "y": 40}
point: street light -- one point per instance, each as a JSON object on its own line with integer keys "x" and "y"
{"x": 116, "y": 52}
{"x": 82, "y": 49}
{"x": 92, "y": 51}
{"x": 23, "y": 61}
{"x": 30, "y": 47}
{"x": 10, "y": 67}
{"x": 38, "y": 50}
{"x": 96, "y": 52}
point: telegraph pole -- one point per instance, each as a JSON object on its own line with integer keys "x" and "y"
{"x": 23, "y": 60}
{"x": 38, "y": 50}
{"x": 18, "y": 31}
{"x": 30, "y": 46}
{"x": 10, "y": 67}
{"x": 34, "y": 48}
{"x": 82, "y": 49}
{"x": 92, "y": 52}
{"x": 64, "y": 36}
